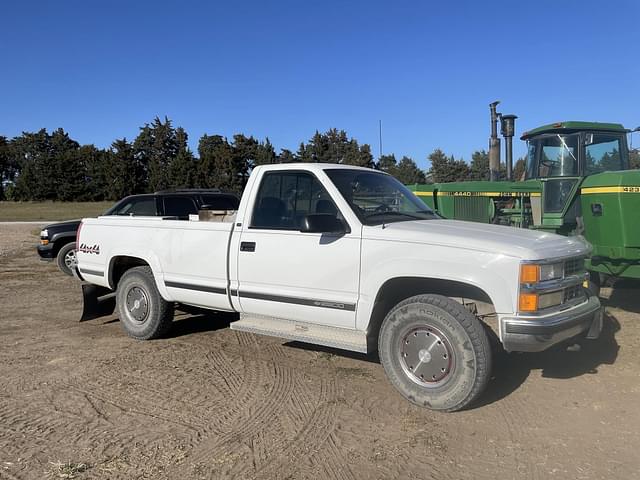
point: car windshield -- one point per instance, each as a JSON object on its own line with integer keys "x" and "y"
{"x": 378, "y": 198}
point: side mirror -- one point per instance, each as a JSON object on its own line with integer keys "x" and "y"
{"x": 322, "y": 223}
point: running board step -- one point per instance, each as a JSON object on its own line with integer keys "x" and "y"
{"x": 336, "y": 337}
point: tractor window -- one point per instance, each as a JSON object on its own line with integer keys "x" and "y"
{"x": 558, "y": 156}
{"x": 602, "y": 153}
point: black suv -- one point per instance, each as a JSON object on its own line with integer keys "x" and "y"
{"x": 58, "y": 240}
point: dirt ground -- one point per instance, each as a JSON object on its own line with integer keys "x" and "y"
{"x": 81, "y": 400}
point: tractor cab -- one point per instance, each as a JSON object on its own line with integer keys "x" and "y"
{"x": 560, "y": 155}
{"x": 576, "y": 149}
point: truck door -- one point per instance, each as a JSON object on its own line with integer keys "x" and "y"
{"x": 285, "y": 273}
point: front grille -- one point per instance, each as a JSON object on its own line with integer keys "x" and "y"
{"x": 573, "y": 266}
{"x": 571, "y": 293}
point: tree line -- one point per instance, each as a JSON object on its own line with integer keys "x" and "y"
{"x": 53, "y": 166}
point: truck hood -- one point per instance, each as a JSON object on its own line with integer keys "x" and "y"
{"x": 515, "y": 242}
{"x": 68, "y": 224}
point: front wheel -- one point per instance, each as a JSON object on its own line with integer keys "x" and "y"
{"x": 66, "y": 258}
{"x": 143, "y": 313}
{"x": 435, "y": 352}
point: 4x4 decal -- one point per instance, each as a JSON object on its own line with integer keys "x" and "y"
{"x": 84, "y": 248}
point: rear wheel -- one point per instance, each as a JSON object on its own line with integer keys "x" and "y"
{"x": 143, "y": 312}
{"x": 66, "y": 258}
{"x": 435, "y": 352}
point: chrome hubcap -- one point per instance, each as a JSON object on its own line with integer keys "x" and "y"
{"x": 137, "y": 304}
{"x": 426, "y": 356}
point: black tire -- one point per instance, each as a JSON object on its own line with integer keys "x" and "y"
{"x": 66, "y": 258}
{"x": 143, "y": 313}
{"x": 457, "y": 364}
{"x": 594, "y": 283}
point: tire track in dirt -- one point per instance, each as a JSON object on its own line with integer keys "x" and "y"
{"x": 291, "y": 419}
{"x": 255, "y": 418}
{"x": 308, "y": 440}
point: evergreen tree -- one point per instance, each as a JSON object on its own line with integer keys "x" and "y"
{"x": 447, "y": 169}
{"x": 286, "y": 156}
{"x": 519, "y": 169}
{"x": 123, "y": 173}
{"x": 216, "y": 165}
{"x": 334, "y": 146}
{"x": 182, "y": 170}
{"x": 387, "y": 164}
{"x": 408, "y": 172}
{"x": 156, "y": 146}
{"x": 99, "y": 171}
{"x": 265, "y": 153}
{"x": 480, "y": 165}
{"x": 5, "y": 175}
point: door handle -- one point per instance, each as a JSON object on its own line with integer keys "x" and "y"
{"x": 247, "y": 246}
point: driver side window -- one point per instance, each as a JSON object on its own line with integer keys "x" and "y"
{"x": 285, "y": 198}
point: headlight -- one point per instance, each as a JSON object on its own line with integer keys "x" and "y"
{"x": 551, "y": 271}
{"x": 44, "y": 233}
{"x": 532, "y": 273}
{"x": 553, "y": 299}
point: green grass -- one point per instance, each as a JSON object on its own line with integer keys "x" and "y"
{"x": 34, "y": 211}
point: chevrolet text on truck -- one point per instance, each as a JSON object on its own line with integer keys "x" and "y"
{"x": 347, "y": 257}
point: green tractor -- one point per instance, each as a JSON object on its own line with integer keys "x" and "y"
{"x": 577, "y": 182}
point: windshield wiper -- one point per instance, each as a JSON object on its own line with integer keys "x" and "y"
{"x": 387, "y": 213}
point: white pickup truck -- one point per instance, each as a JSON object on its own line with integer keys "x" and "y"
{"x": 347, "y": 257}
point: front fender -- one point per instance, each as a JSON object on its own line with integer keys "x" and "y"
{"x": 495, "y": 274}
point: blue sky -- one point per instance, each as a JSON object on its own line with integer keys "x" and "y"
{"x": 282, "y": 70}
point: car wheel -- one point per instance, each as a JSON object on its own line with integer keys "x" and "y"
{"x": 143, "y": 313}
{"x": 435, "y": 352}
{"x": 66, "y": 258}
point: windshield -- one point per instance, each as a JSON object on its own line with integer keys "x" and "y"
{"x": 378, "y": 198}
{"x": 553, "y": 156}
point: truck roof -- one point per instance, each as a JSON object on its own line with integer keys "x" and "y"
{"x": 312, "y": 166}
{"x": 572, "y": 126}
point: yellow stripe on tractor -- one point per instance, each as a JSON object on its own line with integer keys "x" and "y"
{"x": 423, "y": 194}
{"x": 490, "y": 194}
{"x": 619, "y": 189}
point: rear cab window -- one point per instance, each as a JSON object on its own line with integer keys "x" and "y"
{"x": 179, "y": 206}
{"x": 220, "y": 202}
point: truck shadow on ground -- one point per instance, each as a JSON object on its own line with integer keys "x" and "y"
{"x": 624, "y": 295}
{"x": 191, "y": 322}
{"x": 573, "y": 359}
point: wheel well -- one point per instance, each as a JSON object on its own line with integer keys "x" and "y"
{"x": 119, "y": 265}
{"x": 397, "y": 289}
{"x": 61, "y": 242}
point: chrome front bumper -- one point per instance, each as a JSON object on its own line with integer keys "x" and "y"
{"x": 534, "y": 334}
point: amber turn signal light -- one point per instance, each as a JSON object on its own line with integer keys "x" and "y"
{"x": 529, "y": 273}
{"x": 528, "y": 302}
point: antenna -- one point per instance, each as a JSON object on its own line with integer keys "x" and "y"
{"x": 380, "y": 138}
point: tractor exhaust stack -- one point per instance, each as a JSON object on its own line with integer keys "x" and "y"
{"x": 508, "y": 130}
{"x": 494, "y": 144}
